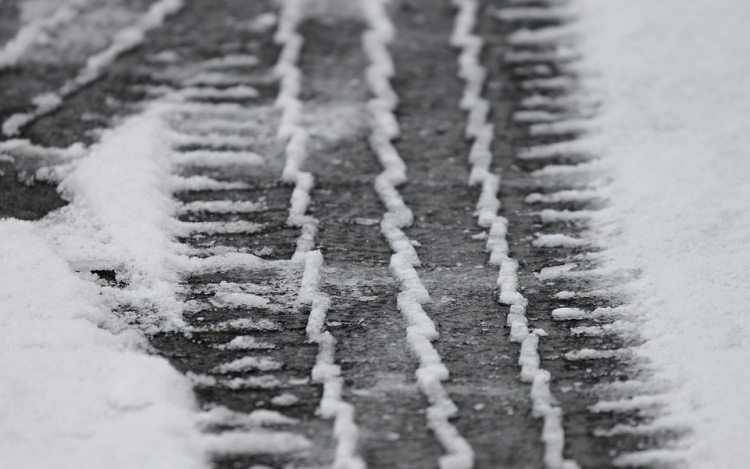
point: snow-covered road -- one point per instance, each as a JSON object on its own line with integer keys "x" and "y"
{"x": 349, "y": 234}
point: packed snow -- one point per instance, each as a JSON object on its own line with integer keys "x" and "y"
{"x": 672, "y": 77}
{"x": 76, "y": 388}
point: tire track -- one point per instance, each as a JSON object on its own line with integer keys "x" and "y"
{"x": 421, "y": 330}
{"x": 482, "y": 132}
{"x": 589, "y": 357}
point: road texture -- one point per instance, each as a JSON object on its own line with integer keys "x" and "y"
{"x": 259, "y": 310}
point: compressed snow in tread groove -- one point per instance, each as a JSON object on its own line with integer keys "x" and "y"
{"x": 478, "y": 128}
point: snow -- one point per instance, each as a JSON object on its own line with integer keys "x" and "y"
{"x": 256, "y": 442}
{"x": 76, "y": 388}
{"x": 672, "y": 77}
{"x": 37, "y": 30}
{"x": 249, "y": 363}
{"x": 223, "y": 206}
{"x": 285, "y": 399}
{"x": 480, "y": 157}
{"x": 95, "y": 66}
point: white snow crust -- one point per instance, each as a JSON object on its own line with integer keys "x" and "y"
{"x": 673, "y": 80}
{"x": 76, "y": 388}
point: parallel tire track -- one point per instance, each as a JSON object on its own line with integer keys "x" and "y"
{"x": 421, "y": 330}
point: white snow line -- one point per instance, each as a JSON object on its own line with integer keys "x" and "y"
{"x": 536, "y": 116}
{"x": 325, "y": 371}
{"x": 553, "y": 216}
{"x": 123, "y": 41}
{"x": 575, "y": 314}
{"x": 216, "y": 227}
{"x": 421, "y": 330}
{"x": 231, "y": 61}
{"x": 473, "y": 74}
{"x": 629, "y": 404}
{"x": 249, "y": 363}
{"x": 216, "y": 159}
{"x": 204, "y": 183}
{"x": 563, "y": 127}
{"x": 255, "y": 442}
{"x": 222, "y": 206}
{"x": 291, "y": 129}
{"x": 652, "y": 458}
{"x": 572, "y": 195}
{"x": 220, "y": 415}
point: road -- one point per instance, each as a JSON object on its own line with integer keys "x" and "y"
{"x": 396, "y": 351}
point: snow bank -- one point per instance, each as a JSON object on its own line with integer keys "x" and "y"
{"x": 673, "y": 77}
{"x": 72, "y": 393}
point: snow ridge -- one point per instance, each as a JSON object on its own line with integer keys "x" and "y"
{"x": 421, "y": 331}
{"x": 325, "y": 371}
{"x": 123, "y": 41}
{"x": 480, "y": 157}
